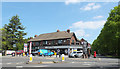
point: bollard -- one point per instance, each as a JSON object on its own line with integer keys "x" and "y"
{"x": 62, "y": 57}
{"x": 55, "y": 54}
{"x": 23, "y": 54}
{"x": 30, "y": 60}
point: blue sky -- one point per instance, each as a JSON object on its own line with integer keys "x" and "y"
{"x": 86, "y": 19}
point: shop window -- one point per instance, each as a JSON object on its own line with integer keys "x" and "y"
{"x": 45, "y": 42}
{"x": 59, "y": 41}
{"x": 72, "y": 41}
{"x": 52, "y": 42}
{"x": 36, "y": 43}
{"x": 64, "y": 40}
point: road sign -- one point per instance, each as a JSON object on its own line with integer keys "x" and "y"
{"x": 58, "y": 50}
{"x": 14, "y": 45}
{"x": 25, "y": 47}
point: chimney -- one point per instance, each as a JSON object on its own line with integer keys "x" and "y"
{"x": 35, "y": 36}
{"x": 58, "y": 30}
{"x": 82, "y": 39}
{"x": 68, "y": 30}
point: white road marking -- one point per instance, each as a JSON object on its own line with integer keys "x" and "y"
{"x": 13, "y": 63}
{"x": 49, "y": 58}
{"x": 41, "y": 66}
{"x": 8, "y": 63}
{"x": 17, "y": 63}
{"x": 19, "y": 66}
{"x": 86, "y": 64}
{"x": 99, "y": 59}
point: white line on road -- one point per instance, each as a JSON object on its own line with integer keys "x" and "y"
{"x": 19, "y": 66}
{"x": 41, "y": 66}
{"x": 86, "y": 64}
{"x": 8, "y": 63}
{"x": 73, "y": 62}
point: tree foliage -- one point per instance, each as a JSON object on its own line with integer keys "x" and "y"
{"x": 13, "y": 33}
{"x": 107, "y": 41}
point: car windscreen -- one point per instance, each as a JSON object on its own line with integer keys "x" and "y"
{"x": 18, "y": 51}
{"x": 74, "y": 52}
{"x": 79, "y": 52}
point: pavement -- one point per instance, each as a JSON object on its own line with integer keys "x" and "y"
{"x": 38, "y": 61}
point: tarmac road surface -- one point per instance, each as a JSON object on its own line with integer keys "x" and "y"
{"x": 9, "y": 61}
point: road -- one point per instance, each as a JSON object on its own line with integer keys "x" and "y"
{"x": 8, "y": 61}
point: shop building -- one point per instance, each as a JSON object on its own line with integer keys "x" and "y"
{"x": 65, "y": 41}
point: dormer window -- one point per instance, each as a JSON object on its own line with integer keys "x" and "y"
{"x": 72, "y": 41}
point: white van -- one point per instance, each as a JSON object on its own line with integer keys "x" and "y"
{"x": 9, "y": 52}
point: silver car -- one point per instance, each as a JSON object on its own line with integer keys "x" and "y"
{"x": 72, "y": 54}
{"x": 79, "y": 54}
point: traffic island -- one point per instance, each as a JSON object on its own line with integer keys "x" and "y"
{"x": 45, "y": 62}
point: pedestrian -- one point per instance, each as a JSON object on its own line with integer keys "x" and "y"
{"x": 89, "y": 52}
{"x": 84, "y": 44}
{"x": 27, "y": 53}
{"x": 59, "y": 54}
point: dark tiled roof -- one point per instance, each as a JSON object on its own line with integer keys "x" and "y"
{"x": 54, "y": 35}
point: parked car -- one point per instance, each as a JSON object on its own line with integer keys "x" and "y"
{"x": 73, "y": 54}
{"x": 79, "y": 54}
{"x": 49, "y": 53}
{"x": 34, "y": 53}
{"x": 19, "y": 52}
{"x": 45, "y": 52}
{"x": 76, "y": 54}
{"x": 9, "y": 52}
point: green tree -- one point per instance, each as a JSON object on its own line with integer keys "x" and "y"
{"x": 107, "y": 41}
{"x": 15, "y": 33}
{"x": 4, "y": 42}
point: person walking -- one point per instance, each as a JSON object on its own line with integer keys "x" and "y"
{"x": 84, "y": 45}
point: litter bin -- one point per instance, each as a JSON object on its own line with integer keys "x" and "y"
{"x": 94, "y": 54}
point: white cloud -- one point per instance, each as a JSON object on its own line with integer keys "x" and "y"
{"x": 80, "y": 26}
{"x": 97, "y": 17}
{"x": 90, "y": 6}
{"x": 88, "y": 24}
{"x": 81, "y": 33}
{"x": 67, "y": 2}
{"x": 96, "y": 6}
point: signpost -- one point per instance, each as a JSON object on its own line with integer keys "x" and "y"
{"x": 30, "y": 47}
{"x": 25, "y": 47}
{"x": 14, "y": 45}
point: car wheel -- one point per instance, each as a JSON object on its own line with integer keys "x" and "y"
{"x": 69, "y": 56}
